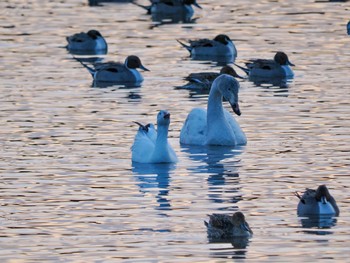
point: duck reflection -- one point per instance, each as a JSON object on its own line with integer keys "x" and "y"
{"x": 318, "y": 222}
{"x": 106, "y": 84}
{"x": 221, "y": 164}
{"x": 154, "y": 176}
{"x": 236, "y": 249}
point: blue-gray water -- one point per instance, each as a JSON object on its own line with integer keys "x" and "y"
{"x": 69, "y": 191}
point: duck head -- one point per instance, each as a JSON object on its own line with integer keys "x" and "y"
{"x": 223, "y": 39}
{"x": 134, "y": 62}
{"x": 238, "y": 219}
{"x": 192, "y": 2}
{"x": 282, "y": 59}
{"x": 229, "y": 71}
{"x": 322, "y": 194}
{"x": 94, "y": 34}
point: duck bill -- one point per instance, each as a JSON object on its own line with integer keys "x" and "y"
{"x": 197, "y": 5}
{"x": 235, "y": 108}
{"x": 245, "y": 227}
{"x": 167, "y": 116}
{"x": 144, "y": 68}
{"x": 290, "y": 63}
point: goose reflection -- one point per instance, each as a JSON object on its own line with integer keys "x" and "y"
{"x": 155, "y": 177}
{"x": 221, "y": 164}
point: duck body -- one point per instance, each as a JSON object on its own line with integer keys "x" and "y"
{"x": 317, "y": 202}
{"x": 116, "y": 72}
{"x": 90, "y": 42}
{"x": 171, "y": 7}
{"x": 204, "y": 80}
{"x": 220, "y": 46}
{"x": 215, "y": 126}
{"x": 151, "y": 145}
{"x": 279, "y": 67}
{"x": 223, "y": 226}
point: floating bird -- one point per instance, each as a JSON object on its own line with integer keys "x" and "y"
{"x": 223, "y": 226}
{"x": 279, "y": 67}
{"x": 91, "y": 42}
{"x": 215, "y": 126}
{"x": 151, "y": 145}
{"x": 204, "y": 80}
{"x": 220, "y": 46}
{"x": 317, "y": 202}
{"x": 116, "y": 72}
{"x": 170, "y": 7}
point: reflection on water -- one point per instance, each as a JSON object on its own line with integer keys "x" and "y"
{"x": 318, "y": 221}
{"x": 230, "y": 249}
{"x": 152, "y": 177}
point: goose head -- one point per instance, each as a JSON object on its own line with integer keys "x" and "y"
{"x": 163, "y": 118}
{"x": 229, "y": 87}
{"x": 134, "y": 62}
{"x": 322, "y": 194}
{"x": 282, "y": 59}
{"x": 238, "y": 220}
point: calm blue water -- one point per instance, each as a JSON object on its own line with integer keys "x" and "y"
{"x": 69, "y": 189}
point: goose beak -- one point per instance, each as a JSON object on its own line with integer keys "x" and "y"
{"x": 235, "y": 108}
{"x": 144, "y": 68}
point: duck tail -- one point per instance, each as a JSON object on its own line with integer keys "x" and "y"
{"x": 90, "y": 69}
{"x": 147, "y": 8}
{"x": 189, "y": 48}
{"x": 246, "y": 70}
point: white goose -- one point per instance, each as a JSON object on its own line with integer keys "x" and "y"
{"x": 151, "y": 146}
{"x": 215, "y": 126}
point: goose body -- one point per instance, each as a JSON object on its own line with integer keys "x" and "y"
{"x": 116, "y": 72}
{"x": 215, "y": 126}
{"x": 92, "y": 41}
{"x": 220, "y": 46}
{"x": 223, "y": 226}
{"x": 317, "y": 202}
{"x": 279, "y": 67}
{"x": 151, "y": 145}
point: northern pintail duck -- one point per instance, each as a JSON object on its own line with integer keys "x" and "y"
{"x": 317, "y": 202}
{"x": 223, "y": 226}
{"x": 220, "y": 46}
{"x": 278, "y": 67}
{"x": 90, "y": 42}
{"x": 116, "y": 72}
{"x": 151, "y": 146}
{"x": 170, "y": 6}
{"x": 204, "y": 80}
{"x": 215, "y": 125}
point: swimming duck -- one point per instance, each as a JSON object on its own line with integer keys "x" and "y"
{"x": 116, "y": 72}
{"x": 170, "y": 6}
{"x": 279, "y": 67}
{"x": 151, "y": 145}
{"x": 223, "y": 226}
{"x": 348, "y": 28}
{"x": 220, "y": 46}
{"x": 204, "y": 80}
{"x": 215, "y": 126}
{"x": 90, "y": 42}
{"x": 317, "y": 202}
